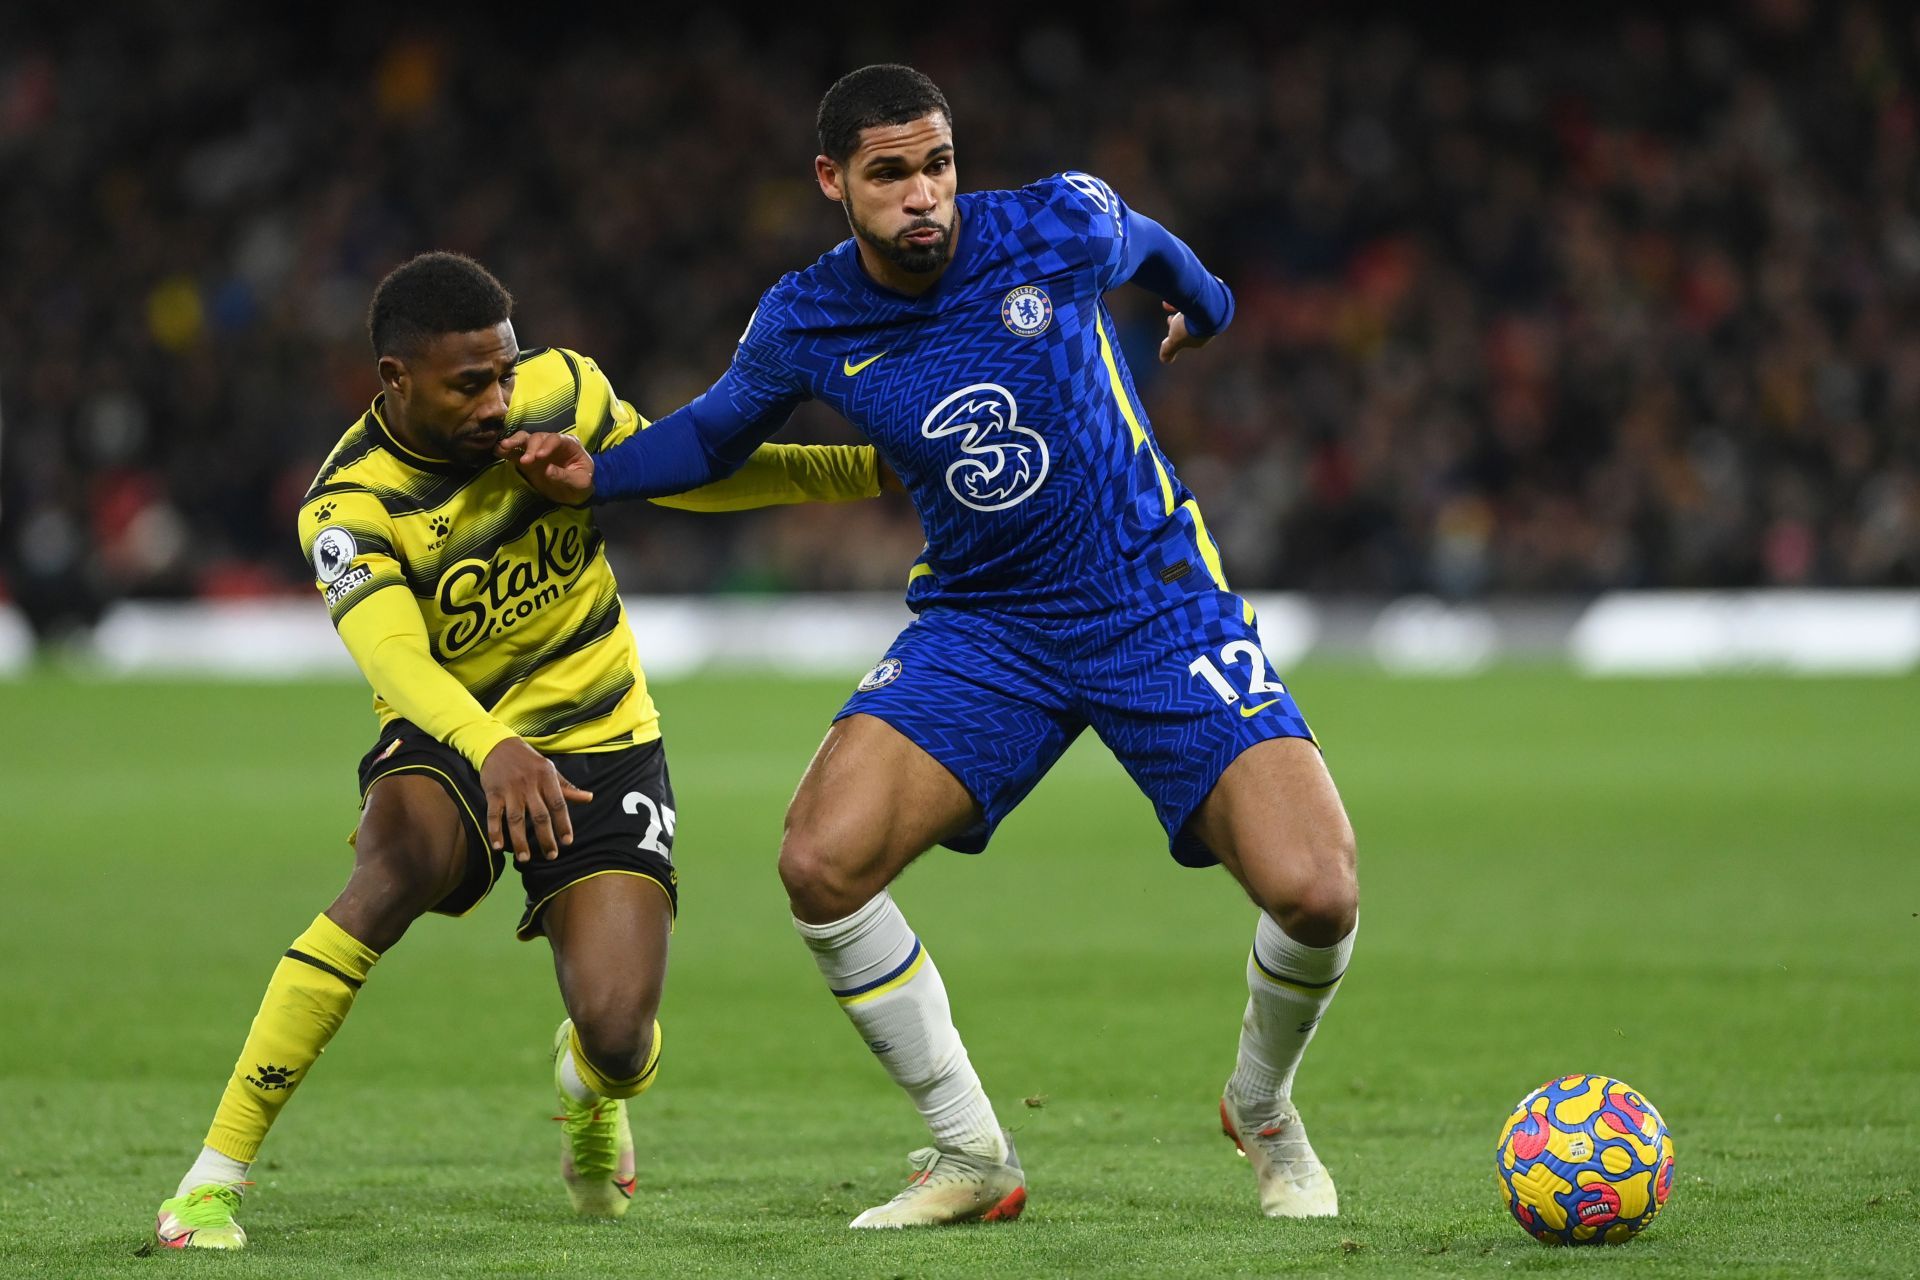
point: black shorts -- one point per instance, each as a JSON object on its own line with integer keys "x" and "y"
{"x": 626, "y": 829}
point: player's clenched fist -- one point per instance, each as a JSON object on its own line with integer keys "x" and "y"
{"x": 525, "y": 792}
{"x": 558, "y": 467}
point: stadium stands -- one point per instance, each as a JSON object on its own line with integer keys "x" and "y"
{"x": 1615, "y": 306}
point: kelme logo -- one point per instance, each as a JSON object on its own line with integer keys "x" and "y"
{"x": 271, "y": 1078}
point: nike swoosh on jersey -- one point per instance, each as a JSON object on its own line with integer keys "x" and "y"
{"x": 1249, "y": 712}
{"x": 851, "y": 368}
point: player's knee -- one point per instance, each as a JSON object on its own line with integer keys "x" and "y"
{"x": 395, "y": 880}
{"x": 1318, "y": 903}
{"x": 1319, "y": 917}
{"x": 398, "y": 868}
{"x": 822, "y": 882}
{"x": 617, "y": 1034}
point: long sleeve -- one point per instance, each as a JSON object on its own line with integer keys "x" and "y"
{"x": 1122, "y": 245}
{"x": 694, "y": 445}
{"x": 778, "y": 474}
{"x": 716, "y": 434}
{"x": 1160, "y": 261}
{"x": 349, "y": 537}
{"x": 388, "y": 640}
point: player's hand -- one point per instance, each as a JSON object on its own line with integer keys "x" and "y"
{"x": 558, "y": 467}
{"x": 1178, "y": 339}
{"x": 889, "y": 481}
{"x": 527, "y": 801}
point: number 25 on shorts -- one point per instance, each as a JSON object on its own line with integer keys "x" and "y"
{"x": 658, "y": 816}
{"x": 1230, "y": 654}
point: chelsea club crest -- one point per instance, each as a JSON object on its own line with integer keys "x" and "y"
{"x": 885, "y": 673}
{"x": 1026, "y": 311}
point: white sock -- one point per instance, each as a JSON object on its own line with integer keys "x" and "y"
{"x": 887, "y": 983}
{"x": 1289, "y": 987}
{"x": 213, "y": 1167}
{"x": 570, "y": 1080}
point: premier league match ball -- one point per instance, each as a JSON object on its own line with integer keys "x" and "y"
{"x": 1584, "y": 1160}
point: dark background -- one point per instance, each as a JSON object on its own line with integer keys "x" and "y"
{"x": 1527, "y": 304}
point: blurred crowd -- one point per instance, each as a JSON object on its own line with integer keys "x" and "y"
{"x": 1618, "y": 302}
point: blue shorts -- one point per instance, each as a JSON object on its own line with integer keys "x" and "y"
{"x": 1177, "y": 689}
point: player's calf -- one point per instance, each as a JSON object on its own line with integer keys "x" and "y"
{"x": 1276, "y": 822}
{"x": 596, "y": 1147}
{"x": 407, "y": 858}
{"x": 890, "y": 989}
{"x": 1289, "y": 988}
{"x": 307, "y": 998}
{"x": 609, "y": 936}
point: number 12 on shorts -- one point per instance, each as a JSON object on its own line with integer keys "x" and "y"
{"x": 1231, "y": 653}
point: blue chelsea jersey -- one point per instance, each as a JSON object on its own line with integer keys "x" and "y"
{"x": 999, "y": 397}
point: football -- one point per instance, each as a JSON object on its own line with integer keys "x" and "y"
{"x": 1584, "y": 1159}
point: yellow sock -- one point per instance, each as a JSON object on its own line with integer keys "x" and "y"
{"x": 605, "y": 1086}
{"x": 307, "y": 999}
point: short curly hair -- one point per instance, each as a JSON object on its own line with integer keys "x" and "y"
{"x": 885, "y": 93}
{"x": 432, "y": 294}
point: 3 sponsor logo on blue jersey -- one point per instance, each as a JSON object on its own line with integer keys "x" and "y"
{"x": 1002, "y": 463}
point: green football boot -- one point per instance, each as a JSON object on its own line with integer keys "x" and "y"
{"x": 596, "y": 1146}
{"x": 202, "y": 1218}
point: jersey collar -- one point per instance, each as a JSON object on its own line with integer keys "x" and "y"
{"x": 377, "y": 426}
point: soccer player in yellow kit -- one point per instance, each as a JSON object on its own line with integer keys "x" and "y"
{"x": 513, "y": 718}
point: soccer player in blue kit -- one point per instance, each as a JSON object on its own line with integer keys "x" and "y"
{"x": 1068, "y": 581}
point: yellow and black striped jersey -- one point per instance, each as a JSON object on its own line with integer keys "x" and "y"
{"x": 508, "y": 593}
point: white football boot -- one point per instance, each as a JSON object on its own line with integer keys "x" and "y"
{"x": 953, "y": 1186}
{"x": 1293, "y": 1182}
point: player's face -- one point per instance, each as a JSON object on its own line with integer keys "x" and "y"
{"x": 452, "y": 394}
{"x": 897, "y": 188}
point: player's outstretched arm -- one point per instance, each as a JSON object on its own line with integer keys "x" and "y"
{"x": 560, "y": 469}
{"x": 695, "y": 445}
{"x": 782, "y": 474}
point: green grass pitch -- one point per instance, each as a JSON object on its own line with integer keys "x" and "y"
{"x": 1708, "y": 888}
